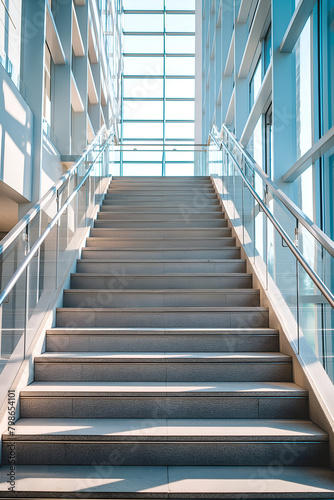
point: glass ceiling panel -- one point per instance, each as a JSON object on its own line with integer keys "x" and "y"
{"x": 180, "y": 23}
{"x": 143, "y": 87}
{"x": 144, "y": 22}
{"x": 143, "y": 130}
{"x": 143, "y": 65}
{"x": 144, "y": 44}
{"x": 158, "y": 122}
{"x": 180, "y": 44}
{"x": 143, "y": 110}
{"x": 180, "y": 110}
{"x": 183, "y": 5}
{"x": 184, "y": 66}
{"x": 144, "y": 4}
{"x": 180, "y": 130}
{"x": 180, "y": 88}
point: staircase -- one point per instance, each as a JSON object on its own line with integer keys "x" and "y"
{"x": 162, "y": 378}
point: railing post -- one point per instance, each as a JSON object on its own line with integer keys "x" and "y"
{"x": 57, "y": 240}
{"x": 254, "y": 232}
{"x": 297, "y": 307}
{"x": 26, "y": 298}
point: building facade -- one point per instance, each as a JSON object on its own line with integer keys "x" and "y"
{"x": 267, "y": 73}
{"x": 60, "y": 82}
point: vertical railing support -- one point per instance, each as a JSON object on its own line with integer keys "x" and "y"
{"x": 26, "y": 298}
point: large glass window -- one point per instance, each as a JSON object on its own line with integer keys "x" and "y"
{"x": 10, "y": 38}
{"x": 255, "y": 84}
{"x": 303, "y": 91}
{"x": 158, "y": 104}
{"x": 47, "y": 87}
{"x": 267, "y": 49}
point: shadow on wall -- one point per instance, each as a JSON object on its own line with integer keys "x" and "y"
{"x": 16, "y": 135}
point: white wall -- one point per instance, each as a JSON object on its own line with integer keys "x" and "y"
{"x": 16, "y": 134}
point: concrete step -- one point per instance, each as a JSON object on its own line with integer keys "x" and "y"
{"x": 152, "y": 195}
{"x": 167, "y": 317}
{"x": 161, "y": 180}
{"x": 135, "y": 223}
{"x": 202, "y": 282}
{"x": 147, "y": 267}
{"x": 156, "y": 216}
{"x": 152, "y": 400}
{"x": 163, "y": 367}
{"x": 199, "y": 203}
{"x": 154, "y": 189}
{"x": 159, "y": 243}
{"x": 162, "y": 482}
{"x": 157, "y": 208}
{"x": 180, "y": 442}
{"x": 165, "y": 340}
{"x": 119, "y": 298}
{"x": 161, "y": 254}
{"x": 165, "y": 233}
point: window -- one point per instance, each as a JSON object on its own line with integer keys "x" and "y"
{"x": 10, "y": 38}
{"x": 303, "y": 91}
{"x": 255, "y": 84}
{"x": 47, "y": 86}
{"x": 267, "y": 49}
{"x": 158, "y": 104}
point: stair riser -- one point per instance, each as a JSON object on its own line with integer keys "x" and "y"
{"x": 116, "y": 282}
{"x": 127, "y": 217}
{"x": 189, "y": 194}
{"x": 164, "y": 407}
{"x": 160, "y": 233}
{"x": 234, "y": 342}
{"x": 101, "y": 299}
{"x": 182, "y": 185}
{"x": 159, "y": 180}
{"x": 157, "y": 208}
{"x": 146, "y": 268}
{"x": 180, "y": 203}
{"x": 185, "y": 224}
{"x": 146, "y": 186}
{"x": 223, "y": 253}
{"x": 157, "y": 244}
{"x": 152, "y": 319}
{"x": 168, "y": 453}
{"x": 162, "y": 372}
{"x": 170, "y": 190}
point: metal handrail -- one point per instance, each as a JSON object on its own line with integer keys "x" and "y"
{"x": 24, "y": 264}
{"x": 315, "y": 231}
{"x": 29, "y": 216}
{"x": 314, "y": 277}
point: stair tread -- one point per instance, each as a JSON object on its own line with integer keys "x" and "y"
{"x": 142, "y": 429}
{"x": 156, "y": 357}
{"x": 223, "y": 482}
{"x": 154, "y": 331}
{"x": 169, "y": 275}
{"x": 170, "y": 261}
{"x": 162, "y": 249}
{"x": 162, "y": 290}
{"x": 167, "y": 309}
{"x": 163, "y": 389}
{"x": 157, "y": 212}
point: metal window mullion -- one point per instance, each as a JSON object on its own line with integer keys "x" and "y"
{"x": 122, "y": 127}
{"x": 164, "y": 95}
